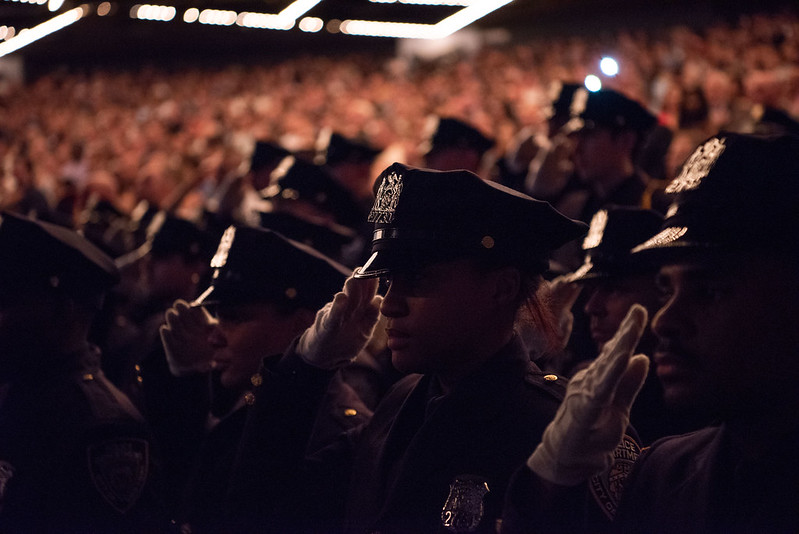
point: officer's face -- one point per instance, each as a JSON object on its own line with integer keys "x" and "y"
{"x": 610, "y": 300}
{"x": 599, "y": 153}
{"x": 440, "y": 317}
{"x": 728, "y": 334}
{"x": 244, "y": 334}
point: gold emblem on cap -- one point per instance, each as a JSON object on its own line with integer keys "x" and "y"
{"x": 596, "y": 230}
{"x": 350, "y": 412}
{"x": 487, "y": 241}
{"x": 291, "y": 292}
{"x": 550, "y": 378}
{"x": 220, "y": 258}
{"x": 698, "y": 166}
{"x": 386, "y": 199}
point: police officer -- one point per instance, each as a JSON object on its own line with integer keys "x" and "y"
{"x": 613, "y": 279}
{"x": 349, "y": 162}
{"x": 607, "y": 128}
{"x": 75, "y": 455}
{"x": 728, "y": 275}
{"x": 171, "y": 264}
{"x": 265, "y": 292}
{"x": 463, "y": 259}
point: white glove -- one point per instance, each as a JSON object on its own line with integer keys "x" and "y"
{"x": 185, "y": 339}
{"x": 591, "y": 420}
{"x": 342, "y": 327}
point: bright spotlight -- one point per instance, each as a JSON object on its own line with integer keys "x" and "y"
{"x": 609, "y": 66}
{"x": 592, "y": 83}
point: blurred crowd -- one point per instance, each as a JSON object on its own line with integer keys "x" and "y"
{"x": 171, "y": 138}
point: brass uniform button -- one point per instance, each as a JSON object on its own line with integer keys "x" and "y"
{"x": 291, "y": 293}
{"x": 487, "y": 242}
{"x": 550, "y": 378}
{"x": 256, "y": 380}
{"x": 249, "y": 398}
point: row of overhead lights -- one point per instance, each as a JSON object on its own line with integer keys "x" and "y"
{"x": 287, "y": 19}
{"x": 28, "y": 35}
{"x": 52, "y": 5}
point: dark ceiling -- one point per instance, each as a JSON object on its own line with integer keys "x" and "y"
{"x": 116, "y": 39}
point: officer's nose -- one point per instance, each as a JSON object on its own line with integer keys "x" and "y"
{"x": 394, "y": 303}
{"x": 595, "y": 305}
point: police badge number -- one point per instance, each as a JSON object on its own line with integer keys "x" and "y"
{"x": 386, "y": 199}
{"x": 119, "y": 469}
{"x": 464, "y": 508}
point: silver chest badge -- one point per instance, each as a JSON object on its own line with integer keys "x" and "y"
{"x": 698, "y": 166}
{"x": 386, "y": 199}
{"x": 464, "y": 508}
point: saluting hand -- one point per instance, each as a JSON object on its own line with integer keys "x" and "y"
{"x": 185, "y": 338}
{"x": 591, "y": 420}
{"x": 343, "y": 326}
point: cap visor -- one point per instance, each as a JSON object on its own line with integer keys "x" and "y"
{"x": 373, "y": 267}
{"x": 206, "y": 297}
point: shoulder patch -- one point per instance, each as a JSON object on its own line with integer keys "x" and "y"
{"x": 607, "y": 486}
{"x": 119, "y": 469}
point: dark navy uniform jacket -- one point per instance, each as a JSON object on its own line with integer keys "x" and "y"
{"x": 401, "y": 464}
{"x": 75, "y": 455}
{"x": 699, "y": 483}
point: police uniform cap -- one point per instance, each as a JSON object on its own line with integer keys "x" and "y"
{"x": 167, "y": 235}
{"x": 327, "y": 238}
{"x": 422, "y": 216}
{"x": 265, "y": 154}
{"x": 259, "y": 265}
{"x": 333, "y": 148}
{"x": 613, "y": 233}
{"x": 608, "y": 109}
{"x": 560, "y": 96}
{"x": 174, "y": 235}
{"x": 773, "y": 121}
{"x": 37, "y": 254}
{"x": 448, "y": 132}
{"x": 736, "y": 193}
{"x": 296, "y": 179}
